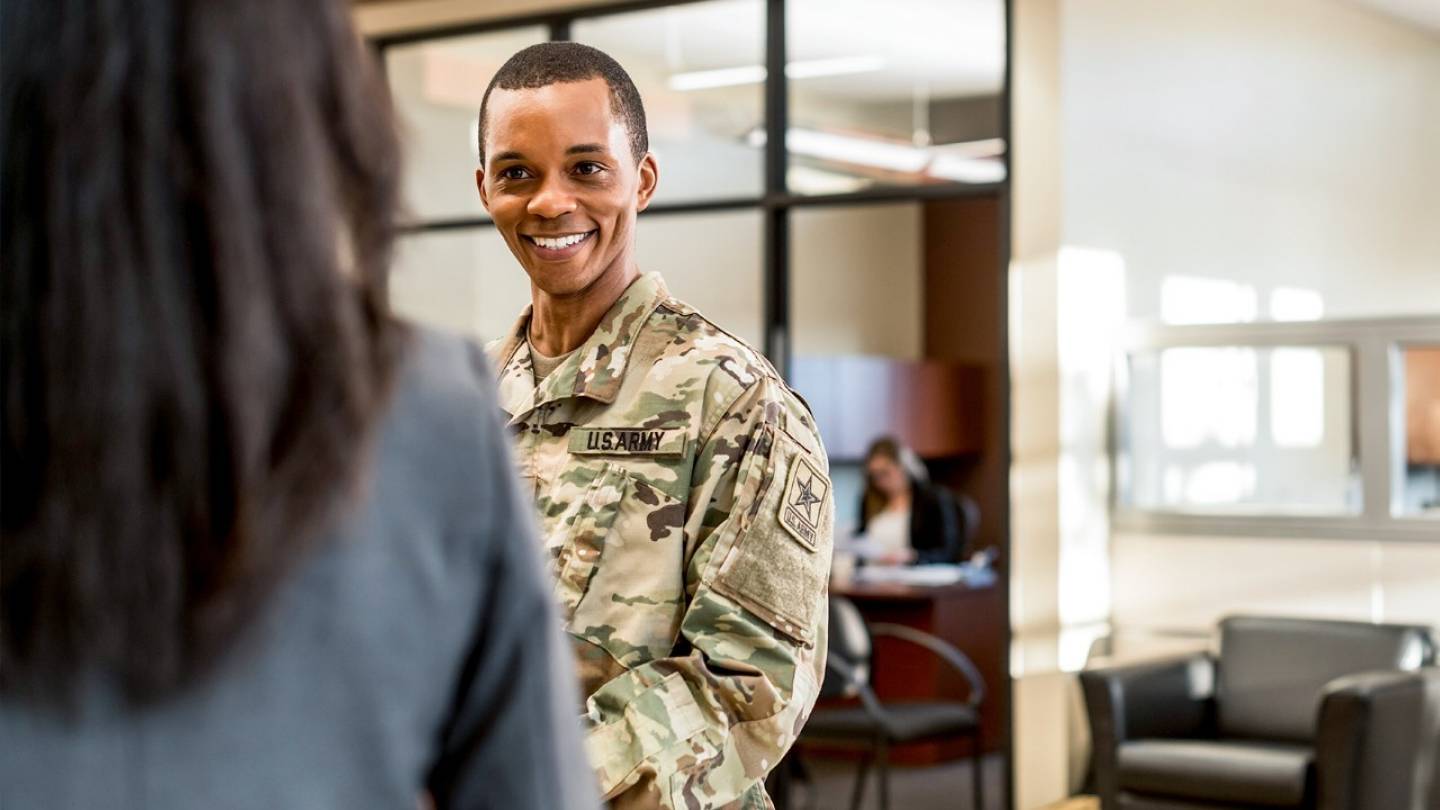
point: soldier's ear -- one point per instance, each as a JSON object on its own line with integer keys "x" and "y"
{"x": 649, "y": 179}
{"x": 480, "y": 184}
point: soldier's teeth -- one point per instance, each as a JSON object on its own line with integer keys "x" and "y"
{"x": 560, "y": 243}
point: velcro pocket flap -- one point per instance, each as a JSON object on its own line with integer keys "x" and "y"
{"x": 779, "y": 563}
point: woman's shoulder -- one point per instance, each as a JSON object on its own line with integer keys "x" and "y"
{"x": 442, "y": 454}
{"x": 443, "y": 372}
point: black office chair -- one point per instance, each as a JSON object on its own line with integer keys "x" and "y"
{"x": 969, "y": 512}
{"x": 875, "y": 727}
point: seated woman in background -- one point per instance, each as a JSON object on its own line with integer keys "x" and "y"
{"x": 903, "y": 517}
{"x": 261, "y": 543}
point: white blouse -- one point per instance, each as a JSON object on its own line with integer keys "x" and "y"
{"x": 887, "y": 532}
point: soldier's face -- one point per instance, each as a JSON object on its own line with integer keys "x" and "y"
{"x": 561, "y": 183}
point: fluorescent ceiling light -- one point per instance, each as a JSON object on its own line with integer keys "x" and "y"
{"x": 970, "y": 162}
{"x": 819, "y": 181}
{"x": 841, "y": 66}
{"x": 891, "y": 155}
{"x": 723, "y": 77}
{"x": 967, "y": 170}
{"x": 755, "y": 74}
{"x": 989, "y": 147}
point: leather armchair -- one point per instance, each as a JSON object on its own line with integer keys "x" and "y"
{"x": 1377, "y": 744}
{"x": 1291, "y": 713}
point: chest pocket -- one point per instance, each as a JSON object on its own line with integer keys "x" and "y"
{"x": 616, "y": 550}
{"x": 581, "y": 528}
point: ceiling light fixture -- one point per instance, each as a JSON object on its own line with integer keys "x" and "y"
{"x": 755, "y": 74}
{"x": 967, "y": 162}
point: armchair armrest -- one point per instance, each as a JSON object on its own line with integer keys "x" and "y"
{"x": 944, "y": 650}
{"x": 1169, "y": 698}
{"x": 1378, "y": 743}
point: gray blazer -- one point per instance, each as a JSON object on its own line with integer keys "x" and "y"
{"x": 415, "y": 649}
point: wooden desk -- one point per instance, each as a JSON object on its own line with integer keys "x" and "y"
{"x": 972, "y": 619}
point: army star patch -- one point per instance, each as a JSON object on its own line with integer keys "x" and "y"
{"x": 803, "y": 503}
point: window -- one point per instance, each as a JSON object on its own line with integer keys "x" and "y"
{"x": 437, "y": 85}
{"x": 1307, "y": 429}
{"x": 863, "y": 91}
{"x": 464, "y": 280}
{"x": 873, "y": 103}
{"x": 857, "y": 276}
{"x": 1242, "y": 429}
{"x": 778, "y": 147}
{"x": 700, "y": 69}
{"x": 1419, "y": 479}
{"x": 723, "y": 284}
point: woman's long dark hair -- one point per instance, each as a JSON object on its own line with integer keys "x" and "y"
{"x": 198, "y": 199}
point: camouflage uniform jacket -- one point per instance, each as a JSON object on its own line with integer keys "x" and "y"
{"x": 686, "y": 513}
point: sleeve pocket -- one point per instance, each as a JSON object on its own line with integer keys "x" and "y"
{"x": 769, "y": 570}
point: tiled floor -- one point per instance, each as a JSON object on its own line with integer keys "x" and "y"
{"x": 1077, "y": 803}
{"x": 942, "y": 787}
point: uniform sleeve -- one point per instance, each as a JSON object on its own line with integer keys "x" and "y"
{"x": 512, "y": 739}
{"x": 704, "y": 726}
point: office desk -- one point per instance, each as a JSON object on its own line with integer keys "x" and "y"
{"x": 969, "y": 617}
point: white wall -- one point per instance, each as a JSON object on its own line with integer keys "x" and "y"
{"x": 468, "y": 281}
{"x": 1250, "y": 145}
{"x": 1280, "y": 143}
{"x": 1167, "y": 582}
{"x": 464, "y": 281}
{"x": 857, "y": 277}
{"x": 1040, "y": 723}
{"x": 1289, "y": 143}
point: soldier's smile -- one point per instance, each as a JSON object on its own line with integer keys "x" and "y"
{"x": 559, "y": 247}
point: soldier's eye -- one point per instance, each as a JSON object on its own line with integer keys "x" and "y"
{"x": 588, "y": 167}
{"x": 514, "y": 173}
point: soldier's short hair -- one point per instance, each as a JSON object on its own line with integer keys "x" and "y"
{"x": 558, "y": 62}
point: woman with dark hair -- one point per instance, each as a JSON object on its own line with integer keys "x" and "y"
{"x": 260, "y": 544}
{"x": 903, "y": 517}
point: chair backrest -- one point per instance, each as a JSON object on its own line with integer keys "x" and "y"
{"x": 969, "y": 522}
{"x": 849, "y": 648}
{"x": 1273, "y": 671}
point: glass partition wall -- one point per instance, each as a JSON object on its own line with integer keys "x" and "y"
{"x": 758, "y": 106}
{"x": 814, "y": 156}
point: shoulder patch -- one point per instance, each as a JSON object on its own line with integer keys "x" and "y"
{"x": 802, "y": 505}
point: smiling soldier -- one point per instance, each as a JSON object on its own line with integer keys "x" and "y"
{"x": 682, "y": 487}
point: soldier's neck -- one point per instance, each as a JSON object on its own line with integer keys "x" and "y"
{"x": 561, "y": 324}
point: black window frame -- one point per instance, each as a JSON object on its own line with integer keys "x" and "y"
{"x": 776, "y": 201}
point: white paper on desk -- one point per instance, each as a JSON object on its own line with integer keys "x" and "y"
{"x": 859, "y": 545}
{"x": 927, "y": 575}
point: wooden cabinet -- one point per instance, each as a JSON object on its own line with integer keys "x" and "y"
{"x": 933, "y": 406}
{"x": 1422, "y": 405}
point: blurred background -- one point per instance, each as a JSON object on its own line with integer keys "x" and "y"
{"x": 1151, "y": 288}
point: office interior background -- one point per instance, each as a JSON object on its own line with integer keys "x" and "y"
{"x": 1156, "y": 284}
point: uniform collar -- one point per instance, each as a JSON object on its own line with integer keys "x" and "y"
{"x": 596, "y": 369}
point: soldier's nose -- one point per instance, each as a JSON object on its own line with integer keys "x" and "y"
{"x": 551, "y": 203}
